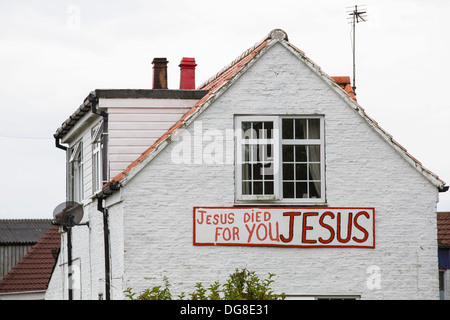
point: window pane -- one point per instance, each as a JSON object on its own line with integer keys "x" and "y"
{"x": 246, "y": 130}
{"x": 268, "y": 187}
{"x": 246, "y": 153}
{"x": 301, "y": 172}
{"x": 288, "y": 129}
{"x": 301, "y": 190}
{"x": 314, "y": 171}
{"x": 300, "y": 154}
{"x": 314, "y": 153}
{"x": 252, "y": 153}
{"x": 314, "y": 129}
{"x": 263, "y": 152}
{"x": 314, "y": 189}
{"x": 268, "y": 171}
{"x": 288, "y": 153}
{"x": 246, "y": 188}
{"x": 257, "y": 130}
{"x": 300, "y": 128}
{"x": 268, "y": 128}
{"x": 288, "y": 189}
{"x": 94, "y": 171}
{"x": 288, "y": 171}
{"x": 246, "y": 171}
{"x": 257, "y": 188}
{"x": 257, "y": 171}
{"x": 269, "y": 155}
{"x": 258, "y": 152}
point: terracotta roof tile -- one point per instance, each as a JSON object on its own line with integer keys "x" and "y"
{"x": 33, "y": 271}
{"x": 344, "y": 83}
{"x": 443, "y": 225}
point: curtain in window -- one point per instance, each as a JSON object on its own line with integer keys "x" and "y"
{"x": 314, "y": 168}
{"x": 314, "y": 153}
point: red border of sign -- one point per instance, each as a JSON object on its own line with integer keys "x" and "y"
{"x": 277, "y": 245}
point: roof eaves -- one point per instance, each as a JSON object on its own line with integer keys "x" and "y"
{"x": 149, "y": 94}
{"x": 72, "y": 120}
{"x": 21, "y": 292}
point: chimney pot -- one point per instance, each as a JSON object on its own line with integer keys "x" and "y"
{"x": 160, "y": 73}
{"x": 187, "y": 76}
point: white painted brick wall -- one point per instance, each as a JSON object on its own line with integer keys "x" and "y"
{"x": 88, "y": 260}
{"x": 361, "y": 170}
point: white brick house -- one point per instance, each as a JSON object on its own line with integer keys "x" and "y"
{"x": 347, "y": 212}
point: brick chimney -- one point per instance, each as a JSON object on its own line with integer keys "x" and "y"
{"x": 160, "y": 73}
{"x": 187, "y": 76}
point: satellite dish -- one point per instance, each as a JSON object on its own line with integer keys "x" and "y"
{"x": 68, "y": 214}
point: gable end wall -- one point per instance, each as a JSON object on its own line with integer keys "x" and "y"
{"x": 361, "y": 170}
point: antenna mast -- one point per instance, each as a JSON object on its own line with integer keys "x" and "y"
{"x": 356, "y": 17}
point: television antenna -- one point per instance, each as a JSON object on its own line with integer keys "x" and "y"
{"x": 68, "y": 215}
{"x": 356, "y": 15}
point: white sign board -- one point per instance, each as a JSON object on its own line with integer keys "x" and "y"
{"x": 285, "y": 227}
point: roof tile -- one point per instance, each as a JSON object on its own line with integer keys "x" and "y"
{"x": 33, "y": 271}
{"x": 344, "y": 83}
{"x": 443, "y": 225}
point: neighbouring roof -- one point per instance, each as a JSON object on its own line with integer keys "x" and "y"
{"x": 33, "y": 271}
{"x": 443, "y": 228}
{"x": 23, "y": 231}
{"x": 223, "y": 79}
{"x": 344, "y": 83}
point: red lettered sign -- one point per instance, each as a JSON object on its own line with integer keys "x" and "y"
{"x": 285, "y": 227}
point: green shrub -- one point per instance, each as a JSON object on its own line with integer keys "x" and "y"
{"x": 241, "y": 285}
{"x": 155, "y": 293}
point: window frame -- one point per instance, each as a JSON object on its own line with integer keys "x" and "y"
{"x": 97, "y": 146}
{"x": 278, "y": 142}
{"x": 238, "y": 177}
{"x": 76, "y": 164}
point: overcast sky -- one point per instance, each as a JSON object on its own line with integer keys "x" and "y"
{"x": 53, "y": 53}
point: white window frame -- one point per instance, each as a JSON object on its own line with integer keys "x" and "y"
{"x": 240, "y": 142}
{"x": 97, "y": 170}
{"x": 278, "y": 142}
{"x": 76, "y": 172}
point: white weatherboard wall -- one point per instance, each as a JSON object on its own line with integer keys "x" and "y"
{"x": 135, "y": 124}
{"x": 361, "y": 170}
{"x": 82, "y": 132}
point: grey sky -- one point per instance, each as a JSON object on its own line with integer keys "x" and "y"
{"x": 53, "y": 53}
